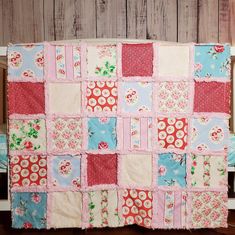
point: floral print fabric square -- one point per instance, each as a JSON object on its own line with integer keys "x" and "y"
{"x": 102, "y": 133}
{"x": 212, "y": 61}
{"x": 29, "y": 210}
{"x": 172, "y": 170}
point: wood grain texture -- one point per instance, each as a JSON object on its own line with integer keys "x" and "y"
{"x": 224, "y": 24}
{"x": 162, "y": 19}
{"x": 1, "y": 22}
{"x": 48, "y": 16}
{"x": 7, "y": 21}
{"x": 232, "y": 22}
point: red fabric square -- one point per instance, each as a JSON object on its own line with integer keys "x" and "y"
{"x": 212, "y": 97}
{"x": 101, "y": 169}
{"x": 26, "y": 98}
{"x": 137, "y": 59}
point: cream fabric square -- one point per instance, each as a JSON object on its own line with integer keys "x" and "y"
{"x": 65, "y": 98}
{"x": 136, "y": 169}
{"x": 173, "y": 61}
{"x": 66, "y": 209}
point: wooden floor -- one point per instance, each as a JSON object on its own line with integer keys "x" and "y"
{"x": 5, "y": 229}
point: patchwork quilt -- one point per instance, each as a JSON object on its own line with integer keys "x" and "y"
{"x": 114, "y": 134}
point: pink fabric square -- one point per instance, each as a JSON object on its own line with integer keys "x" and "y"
{"x": 212, "y": 97}
{"x": 137, "y": 59}
{"x": 26, "y": 98}
{"x": 101, "y": 169}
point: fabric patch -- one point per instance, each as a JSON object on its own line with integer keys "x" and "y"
{"x": 212, "y": 61}
{"x": 102, "y": 133}
{"x": 29, "y": 210}
{"x": 136, "y": 96}
{"x": 18, "y": 98}
{"x": 26, "y": 61}
{"x": 136, "y": 169}
{"x": 209, "y": 209}
{"x": 66, "y": 134}
{"x": 101, "y": 60}
{"x": 172, "y": 170}
{"x": 65, "y": 171}
{"x": 208, "y": 171}
{"x": 212, "y": 97}
{"x": 101, "y": 96}
{"x": 101, "y": 169}
{"x": 66, "y": 209}
{"x": 137, "y": 59}
{"x": 172, "y": 133}
{"x": 27, "y": 135}
{"x": 103, "y": 209}
{"x": 65, "y": 98}
{"x": 180, "y": 56}
{"x": 28, "y": 170}
{"x": 137, "y": 207}
{"x": 209, "y": 134}
{"x": 173, "y": 97}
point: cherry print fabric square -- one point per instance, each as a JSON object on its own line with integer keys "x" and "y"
{"x": 66, "y": 134}
{"x": 26, "y": 62}
{"x": 209, "y": 134}
{"x": 18, "y": 98}
{"x": 137, "y": 60}
{"x": 209, "y": 209}
{"x": 101, "y": 96}
{"x": 102, "y": 133}
{"x": 136, "y": 97}
{"x": 28, "y": 170}
{"x": 212, "y": 97}
{"x": 27, "y": 135}
{"x": 172, "y": 133}
{"x": 101, "y": 60}
{"x": 137, "y": 207}
{"x": 65, "y": 171}
{"x": 101, "y": 169}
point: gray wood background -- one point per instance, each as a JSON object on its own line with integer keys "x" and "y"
{"x": 171, "y": 20}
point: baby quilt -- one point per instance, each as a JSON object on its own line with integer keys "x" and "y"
{"x": 114, "y": 134}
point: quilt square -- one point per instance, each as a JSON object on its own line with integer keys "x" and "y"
{"x": 171, "y": 169}
{"x": 29, "y": 210}
{"x": 209, "y": 209}
{"x": 28, "y": 170}
{"x": 64, "y": 98}
{"x": 212, "y": 61}
{"x": 136, "y": 97}
{"x": 103, "y": 209}
{"x": 101, "y": 96}
{"x": 102, "y": 133}
{"x": 173, "y": 97}
{"x": 209, "y": 134}
{"x": 212, "y": 97}
{"x": 66, "y": 209}
{"x": 101, "y": 169}
{"x": 101, "y": 60}
{"x": 136, "y": 169}
{"x": 177, "y": 69}
{"x": 27, "y": 135}
{"x": 18, "y": 98}
{"x": 65, "y": 171}
{"x": 137, "y": 207}
{"x": 172, "y": 133}
{"x": 137, "y": 59}
{"x": 26, "y": 62}
{"x": 208, "y": 171}
{"x": 66, "y": 134}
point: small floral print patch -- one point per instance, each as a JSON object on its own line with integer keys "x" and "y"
{"x": 28, "y": 170}
{"x": 27, "y": 135}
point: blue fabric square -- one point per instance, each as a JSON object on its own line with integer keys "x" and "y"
{"x": 102, "y": 133}
{"x": 212, "y": 61}
{"x": 26, "y": 61}
{"x": 172, "y": 169}
{"x": 29, "y": 210}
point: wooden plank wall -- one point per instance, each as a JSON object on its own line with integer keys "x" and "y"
{"x": 171, "y": 20}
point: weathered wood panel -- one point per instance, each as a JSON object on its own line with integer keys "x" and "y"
{"x": 232, "y": 22}
{"x": 7, "y": 21}
{"x": 1, "y": 22}
{"x": 49, "y": 29}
